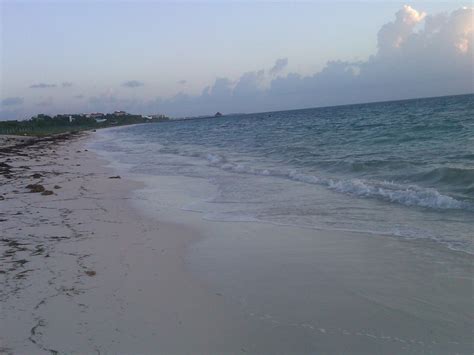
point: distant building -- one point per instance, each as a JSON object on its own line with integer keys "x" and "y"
{"x": 120, "y": 113}
{"x": 159, "y": 117}
{"x": 100, "y": 120}
{"x": 66, "y": 116}
{"x": 96, "y": 115}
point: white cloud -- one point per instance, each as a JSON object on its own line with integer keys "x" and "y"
{"x": 280, "y": 64}
{"x": 42, "y": 86}
{"x": 132, "y": 84}
{"x": 392, "y": 35}
{"x": 12, "y": 101}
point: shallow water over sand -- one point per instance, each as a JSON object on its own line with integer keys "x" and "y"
{"x": 339, "y": 240}
{"x": 324, "y": 291}
{"x": 403, "y": 169}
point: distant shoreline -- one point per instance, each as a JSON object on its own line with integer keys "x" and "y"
{"x": 42, "y": 125}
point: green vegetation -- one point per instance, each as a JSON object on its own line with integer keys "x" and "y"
{"x": 45, "y": 125}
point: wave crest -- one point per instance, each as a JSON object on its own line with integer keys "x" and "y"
{"x": 408, "y": 195}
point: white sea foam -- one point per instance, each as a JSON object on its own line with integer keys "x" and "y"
{"x": 215, "y": 159}
{"x": 408, "y": 195}
{"x": 245, "y": 211}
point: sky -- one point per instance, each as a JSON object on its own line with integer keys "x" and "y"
{"x": 187, "y": 58}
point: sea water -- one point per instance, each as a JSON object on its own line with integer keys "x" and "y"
{"x": 403, "y": 169}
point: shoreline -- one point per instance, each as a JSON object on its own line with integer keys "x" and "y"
{"x": 79, "y": 287}
{"x": 377, "y": 291}
{"x": 88, "y": 270}
{"x": 395, "y": 279}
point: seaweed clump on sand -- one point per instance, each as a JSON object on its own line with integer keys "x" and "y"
{"x": 5, "y": 166}
{"x": 5, "y": 170}
{"x": 36, "y": 188}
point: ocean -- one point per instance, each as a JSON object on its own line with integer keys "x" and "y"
{"x": 401, "y": 169}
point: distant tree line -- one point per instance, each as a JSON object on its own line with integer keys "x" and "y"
{"x": 45, "y": 124}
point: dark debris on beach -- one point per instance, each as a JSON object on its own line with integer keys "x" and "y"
{"x": 19, "y": 249}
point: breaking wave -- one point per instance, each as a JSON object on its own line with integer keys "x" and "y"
{"x": 408, "y": 195}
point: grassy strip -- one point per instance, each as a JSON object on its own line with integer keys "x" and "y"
{"x": 44, "y": 131}
{"x": 44, "y": 125}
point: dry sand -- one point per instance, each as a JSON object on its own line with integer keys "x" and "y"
{"x": 82, "y": 271}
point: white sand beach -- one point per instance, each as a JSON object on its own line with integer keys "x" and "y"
{"x": 85, "y": 268}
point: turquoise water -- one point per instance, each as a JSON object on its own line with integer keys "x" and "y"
{"x": 403, "y": 169}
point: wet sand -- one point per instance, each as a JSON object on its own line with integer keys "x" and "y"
{"x": 326, "y": 291}
{"x": 83, "y": 270}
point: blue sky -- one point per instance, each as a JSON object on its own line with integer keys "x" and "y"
{"x": 87, "y": 50}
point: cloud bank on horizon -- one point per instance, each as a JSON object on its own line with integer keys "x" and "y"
{"x": 132, "y": 84}
{"x": 434, "y": 60}
{"x": 42, "y": 86}
{"x": 418, "y": 55}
